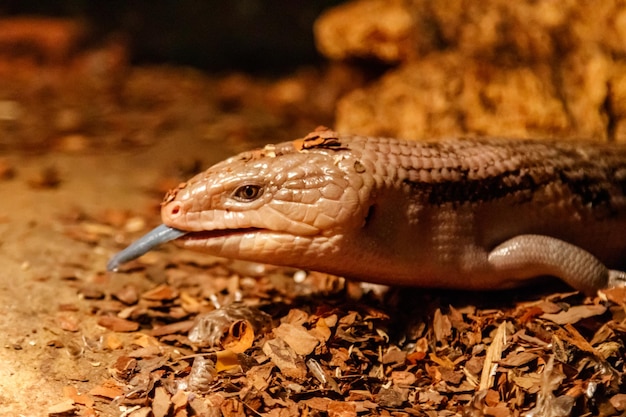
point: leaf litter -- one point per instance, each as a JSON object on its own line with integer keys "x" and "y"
{"x": 222, "y": 338}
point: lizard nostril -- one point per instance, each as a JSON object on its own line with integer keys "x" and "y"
{"x": 174, "y": 210}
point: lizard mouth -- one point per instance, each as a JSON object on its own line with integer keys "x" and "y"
{"x": 217, "y": 233}
{"x": 162, "y": 234}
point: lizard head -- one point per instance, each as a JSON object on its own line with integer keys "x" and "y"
{"x": 286, "y": 204}
{"x": 273, "y": 205}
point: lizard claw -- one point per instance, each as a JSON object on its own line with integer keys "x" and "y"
{"x": 616, "y": 278}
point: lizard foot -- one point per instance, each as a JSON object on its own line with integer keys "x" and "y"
{"x": 616, "y": 278}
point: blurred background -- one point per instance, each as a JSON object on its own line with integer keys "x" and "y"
{"x": 106, "y": 105}
{"x": 251, "y": 35}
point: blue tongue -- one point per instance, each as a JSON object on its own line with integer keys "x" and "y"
{"x": 144, "y": 244}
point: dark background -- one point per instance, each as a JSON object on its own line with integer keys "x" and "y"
{"x": 260, "y": 36}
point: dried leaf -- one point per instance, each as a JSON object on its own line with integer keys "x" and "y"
{"x": 297, "y": 337}
{"x": 516, "y": 359}
{"x": 226, "y": 360}
{"x": 232, "y": 407}
{"x": 112, "y": 341}
{"x": 124, "y": 367}
{"x": 618, "y": 401}
{"x": 68, "y": 322}
{"x": 180, "y": 327}
{"x": 572, "y": 335}
{"x": 528, "y": 382}
{"x": 72, "y": 393}
{"x": 240, "y": 337}
{"x": 141, "y": 412}
{"x": 394, "y": 355}
{"x": 118, "y": 325}
{"x": 321, "y": 331}
{"x": 281, "y": 355}
{"x": 128, "y": 295}
{"x": 145, "y": 341}
{"x": 341, "y": 409}
{"x": 403, "y": 378}
{"x": 107, "y": 390}
{"x": 160, "y": 293}
{"x": 444, "y": 362}
{"x": 501, "y": 410}
{"x": 575, "y": 314}
{"x": 179, "y": 400}
{"x": 161, "y": 403}
{"x": 64, "y": 408}
{"x": 441, "y": 326}
{"x": 318, "y": 403}
{"x": 615, "y": 295}
{"x": 259, "y": 376}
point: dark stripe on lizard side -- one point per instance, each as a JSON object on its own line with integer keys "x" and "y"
{"x": 512, "y": 184}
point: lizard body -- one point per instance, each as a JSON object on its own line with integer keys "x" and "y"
{"x": 457, "y": 213}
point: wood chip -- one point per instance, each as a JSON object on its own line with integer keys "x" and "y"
{"x": 118, "y": 325}
{"x": 575, "y": 314}
{"x": 160, "y": 293}
{"x": 63, "y": 409}
{"x": 516, "y": 359}
{"x": 178, "y": 327}
{"x": 494, "y": 354}
{"x": 618, "y": 401}
{"x": 68, "y": 322}
{"x": 108, "y": 390}
{"x": 616, "y": 295}
{"x": 128, "y": 295}
{"x": 83, "y": 399}
{"x": 341, "y": 409}
{"x": 141, "y": 412}
{"x": 442, "y": 326}
{"x": 161, "y": 402}
{"x": 179, "y": 402}
{"x": 124, "y": 367}
{"x": 112, "y": 341}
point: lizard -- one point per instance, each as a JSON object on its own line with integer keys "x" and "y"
{"x": 473, "y": 213}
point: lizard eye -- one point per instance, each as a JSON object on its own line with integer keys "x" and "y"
{"x": 248, "y": 192}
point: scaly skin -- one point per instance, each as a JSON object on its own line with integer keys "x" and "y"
{"x": 470, "y": 214}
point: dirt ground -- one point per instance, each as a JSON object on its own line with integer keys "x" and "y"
{"x": 45, "y": 271}
{"x": 42, "y": 267}
{"x": 82, "y": 172}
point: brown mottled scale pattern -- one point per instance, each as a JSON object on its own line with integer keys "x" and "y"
{"x": 473, "y": 170}
{"x": 456, "y": 213}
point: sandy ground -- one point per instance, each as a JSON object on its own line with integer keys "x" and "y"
{"x": 42, "y": 268}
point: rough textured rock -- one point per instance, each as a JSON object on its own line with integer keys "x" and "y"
{"x": 367, "y": 29}
{"x": 487, "y": 68}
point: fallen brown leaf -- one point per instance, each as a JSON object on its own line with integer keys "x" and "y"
{"x": 160, "y": 293}
{"x": 64, "y": 408}
{"x": 118, "y": 325}
{"x": 297, "y": 337}
{"x": 72, "y": 393}
{"x": 108, "y": 389}
{"x": 575, "y": 314}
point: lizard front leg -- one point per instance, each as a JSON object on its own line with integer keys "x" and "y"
{"x": 528, "y": 256}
